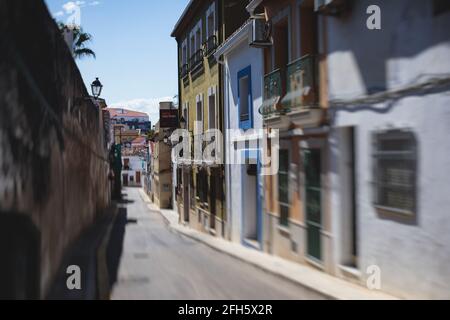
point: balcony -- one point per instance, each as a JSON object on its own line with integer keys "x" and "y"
{"x": 301, "y": 101}
{"x": 273, "y": 91}
{"x": 210, "y": 45}
{"x": 301, "y": 84}
{"x": 272, "y": 110}
{"x": 196, "y": 61}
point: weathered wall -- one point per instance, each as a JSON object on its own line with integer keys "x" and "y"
{"x": 413, "y": 257}
{"x": 53, "y": 161}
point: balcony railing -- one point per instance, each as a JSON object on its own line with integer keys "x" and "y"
{"x": 196, "y": 60}
{"x": 302, "y": 83}
{"x": 184, "y": 70}
{"x": 273, "y": 92}
{"x": 210, "y": 45}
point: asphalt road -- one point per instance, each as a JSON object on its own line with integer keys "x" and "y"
{"x": 158, "y": 263}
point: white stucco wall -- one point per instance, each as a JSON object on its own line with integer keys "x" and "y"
{"x": 137, "y": 164}
{"x": 241, "y": 57}
{"x": 415, "y": 258}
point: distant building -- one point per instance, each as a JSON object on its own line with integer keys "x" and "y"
{"x": 160, "y": 172}
{"x": 133, "y": 170}
{"x": 134, "y": 120}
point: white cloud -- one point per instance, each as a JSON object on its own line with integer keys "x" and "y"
{"x": 71, "y": 6}
{"x": 149, "y": 106}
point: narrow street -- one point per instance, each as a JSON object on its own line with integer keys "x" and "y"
{"x": 157, "y": 263}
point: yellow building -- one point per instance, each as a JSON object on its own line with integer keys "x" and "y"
{"x": 203, "y": 26}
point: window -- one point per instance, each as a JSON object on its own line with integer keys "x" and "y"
{"x": 186, "y": 114}
{"x": 211, "y": 21}
{"x": 202, "y": 186}
{"x": 212, "y": 109}
{"x": 199, "y": 113}
{"x": 245, "y": 99}
{"x": 395, "y": 163}
{"x": 193, "y": 50}
{"x": 283, "y": 187}
{"x": 184, "y": 53}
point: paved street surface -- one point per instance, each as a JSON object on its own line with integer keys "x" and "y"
{"x": 158, "y": 263}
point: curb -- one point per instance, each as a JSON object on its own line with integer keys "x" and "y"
{"x": 190, "y": 233}
{"x": 258, "y": 266}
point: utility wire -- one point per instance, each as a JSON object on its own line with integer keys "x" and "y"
{"x": 434, "y": 84}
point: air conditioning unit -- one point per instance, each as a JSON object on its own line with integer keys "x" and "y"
{"x": 261, "y": 33}
{"x": 331, "y": 7}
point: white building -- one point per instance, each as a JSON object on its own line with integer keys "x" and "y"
{"x": 243, "y": 76}
{"x": 389, "y": 148}
{"x": 134, "y": 169}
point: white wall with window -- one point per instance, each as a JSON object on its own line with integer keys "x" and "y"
{"x": 402, "y": 148}
{"x": 242, "y": 82}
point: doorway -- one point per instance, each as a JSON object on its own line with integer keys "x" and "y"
{"x": 186, "y": 194}
{"x": 251, "y": 202}
{"x": 349, "y": 219}
{"x": 125, "y": 180}
{"x": 313, "y": 201}
{"x": 138, "y": 177}
{"x": 213, "y": 198}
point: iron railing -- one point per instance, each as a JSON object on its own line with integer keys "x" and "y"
{"x": 302, "y": 84}
{"x": 273, "y": 92}
{"x": 210, "y": 45}
{"x": 196, "y": 59}
{"x": 184, "y": 70}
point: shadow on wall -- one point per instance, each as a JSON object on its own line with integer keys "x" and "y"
{"x": 19, "y": 252}
{"x": 409, "y": 27}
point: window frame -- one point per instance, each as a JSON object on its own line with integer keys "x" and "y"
{"x": 409, "y": 155}
{"x": 184, "y": 57}
{"x": 211, "y": 11}
{"x": 245, "y": 124}
{"x": 212, "y": 92}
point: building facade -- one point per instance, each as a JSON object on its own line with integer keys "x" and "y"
{"x": 242, "y": 91}
{"x": 133, "y": 120}
{"x": 389, "y": 146}
{"x": 160, "y": 177}
{"x": 202, "y": 27}
{"x": 297, "y": 217}
{"x": 359, "y": 113}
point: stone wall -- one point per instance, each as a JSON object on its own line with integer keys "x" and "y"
{"x": 53, "y": 159}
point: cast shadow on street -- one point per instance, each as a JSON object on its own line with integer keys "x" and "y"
{"x": 115, "y": 245}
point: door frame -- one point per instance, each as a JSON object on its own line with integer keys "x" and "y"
{"x": 186, "y": 195}
{"x": 314, "y": 144}
{"x": 249, "y": 155}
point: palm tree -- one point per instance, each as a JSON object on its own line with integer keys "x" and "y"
{"x": 80, "y": 39}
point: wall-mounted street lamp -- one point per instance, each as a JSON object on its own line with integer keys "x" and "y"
{"x": 96, "y": 87}
{"x": 182, "y": 123}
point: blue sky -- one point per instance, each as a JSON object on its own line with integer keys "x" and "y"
{"x": 136, "y": 57}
